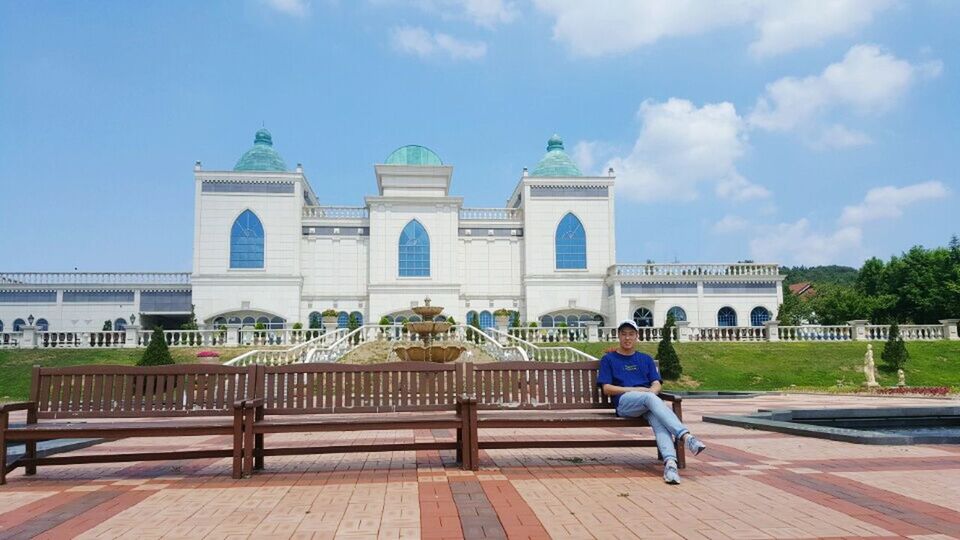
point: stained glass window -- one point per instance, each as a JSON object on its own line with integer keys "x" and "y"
{"x": 414, "y": 254}
{"x": 246, "y": 241}
{"x": 571, "y": 243}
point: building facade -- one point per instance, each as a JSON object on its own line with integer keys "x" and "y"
{"x": 266, "y": 249}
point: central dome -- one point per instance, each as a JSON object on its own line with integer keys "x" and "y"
{"x": 556, "y": 162}
{"x": 413, "y": 154}
{"x": 262, "y": 157}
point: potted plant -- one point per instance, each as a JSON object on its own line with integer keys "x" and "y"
{"x": 501, "y": 318}
{"x": 330, "y": 319}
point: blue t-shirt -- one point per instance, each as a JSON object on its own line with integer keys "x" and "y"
{"x": 637, "y": 369}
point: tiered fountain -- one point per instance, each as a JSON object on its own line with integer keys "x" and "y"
{"x": 427, "y": 330}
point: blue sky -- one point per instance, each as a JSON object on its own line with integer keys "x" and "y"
{"x": 790, "y": 132}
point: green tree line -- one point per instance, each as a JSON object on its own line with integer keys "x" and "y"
{"x": 920, "y": 286}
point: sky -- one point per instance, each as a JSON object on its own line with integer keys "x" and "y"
{"x": 804, "y": 132}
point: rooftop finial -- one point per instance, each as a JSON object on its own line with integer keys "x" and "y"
{"x": 263, "y": 137}
{"x": 555, "y": 143}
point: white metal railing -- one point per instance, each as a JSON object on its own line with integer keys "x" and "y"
{"x": 251, "y": 337}
{"x": 299, "y": 353}
{"x": 728, "y": 333}
{"x": 711, "y": 269}
{"x": 815, "y": 333}
{"x": 491, "y": 214}
{"x": 87, "y": 340}
{"x": 94, "y": 278}
{"x": 543, "y": 354}
{"x": 10, "y": 339}
{"x": 336, "y": 212}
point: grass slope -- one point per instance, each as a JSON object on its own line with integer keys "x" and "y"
{"x": 15, "y": 365}
{"x": 813, "y": 366}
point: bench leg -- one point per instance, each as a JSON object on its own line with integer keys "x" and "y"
{"x": 31, "y": 454}
{"x": 3, "y": 450}
{"x": 460, "y": 446}
{"x": 238, "y": 444}
{"x": 248, "y": 439}
{"x": 258, "y": 457}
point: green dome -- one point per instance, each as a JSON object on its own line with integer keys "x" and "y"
{"x": 413, "y": 154}
{"x": 556, "y": 162}
{"x": 262, "y": 157}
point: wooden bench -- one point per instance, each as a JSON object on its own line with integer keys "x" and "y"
{"x": 164, "y": 401}
{"x": 546, "y": 395}
{"x": 300, "y": 398}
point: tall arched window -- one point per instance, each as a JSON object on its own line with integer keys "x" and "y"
{"x": 18, "y": 324}
{"x": 486, "y": 319}
{"x": 276, "y": 323}
{"x": 571, "y": 243}
{"x": 246, "y": 241}
{"x": 759, "y": 316}
{"x": 42, "y": 325}
{"x": 121, "y": 324}
{"x": 314, "y": 320}
{"x": 358, "y": 316}
{"x": 1, "y": 326}
{"x": 678, "y": 313}
{"x": 249, "y": 321}
{"x": 471, "y": 315}
{"x": 643, "y": 317}
{"x": 414, "y": 251}
{"x": 726, "y": 317}
{"x": 342, "y": 319}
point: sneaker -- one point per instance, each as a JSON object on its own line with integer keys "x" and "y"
{"x": 670, "y": 473}
{"x": 694, "y": 445}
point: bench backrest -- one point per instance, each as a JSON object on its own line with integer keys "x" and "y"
{"x": 342, "y": 388}
{"x": 536, "y": 385}
{"x": 108, "y": 391}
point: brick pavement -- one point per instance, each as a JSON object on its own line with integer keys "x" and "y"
{"x": 749, "y": 484}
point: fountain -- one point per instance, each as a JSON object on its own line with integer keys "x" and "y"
{"x": 427, "y": 330}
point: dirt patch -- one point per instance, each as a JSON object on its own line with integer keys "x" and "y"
{"x": 379, "y": 352}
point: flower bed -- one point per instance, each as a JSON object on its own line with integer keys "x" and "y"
{"x": 915, "y": 390}
{"x": 208, "y": 354}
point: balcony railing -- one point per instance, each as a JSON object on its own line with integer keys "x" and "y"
{"x": 94, "y": 278}
{"x": 491, "y": 214}
{"x": 679, "y": 269}
{"x": 336, "y": 212}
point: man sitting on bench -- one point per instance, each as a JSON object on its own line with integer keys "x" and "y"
{"x": 631, "y": 379}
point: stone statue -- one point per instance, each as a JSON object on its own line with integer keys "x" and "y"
{"x": 869, "y": 368}
{"x": 901, "y": 379}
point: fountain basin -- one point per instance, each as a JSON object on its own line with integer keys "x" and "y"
{"x": 428, "y": 312}
{"x": 428, "y": 327}
{"x": 435, "y": 353}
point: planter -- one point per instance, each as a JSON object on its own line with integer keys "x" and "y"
{"x": 330, "y": 323}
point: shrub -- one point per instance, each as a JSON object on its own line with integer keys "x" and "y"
{"x": 450, "y": 320}
{"x": 156, "y": 353}
{"x": 353, "y": 324}
{"x": 894, "y": 355}
{"x": 502, "y": 312}
{"x": 330, "y": 313}
{"x": 107, "y": 326}
{"x": 384, "y": 321}
{"x": 670, "y": 368}
{"x": 473, "y": 323}
{"x": 297, "y": 326}
{"x": 920, "y": 390}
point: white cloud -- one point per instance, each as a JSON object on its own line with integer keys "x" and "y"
{"x": 420, "y": 42}
{"x": 730, "y": 224}
{"x": 601, "y": 27}
{"x": 867, "y": 81}
{"x": 797, "y": 243}
{"x": 486, "y": 13}
{"x": 296, "y": 8}
{"x": 681, "y": 146}
{"x": 888, "y": 202}
{"x": 838, "y": 136}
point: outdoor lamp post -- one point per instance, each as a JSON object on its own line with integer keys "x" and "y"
{"x": 30, "y": 320}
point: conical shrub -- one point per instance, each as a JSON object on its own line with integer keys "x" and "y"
{"x": 156, "y": 353}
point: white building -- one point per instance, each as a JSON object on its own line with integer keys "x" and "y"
{"x": 267, "y": 250}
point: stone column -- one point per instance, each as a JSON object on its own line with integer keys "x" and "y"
{"x": 28, "y": 337}
{"x": 950, "y": 329}
{"x": 858, "y": 330}
{"x": 132, "y": 338}
{"x": 593, "y": 331}
{"x": 773, "y": 330}
{"x": 233, "y": 335}
{"x": 683, "y": 331}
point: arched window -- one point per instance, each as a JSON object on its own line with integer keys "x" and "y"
{"x": 546, "y": 321}
{"x": 439, "y": 318}
{"x": 314, "y": 320}
{"x": 471, "y": 316}
{"x": 249, "y": 321}
{"x": 1, "y": 326}
{"x": 414, "y": 251}
{"x": 234, "y": 320}
{"x": 401, "y": 319}
{"x": 759, "y": 316}
{"x": 358, "y": 316}
{"x": 217, "y": 322}
{"x": 121, "y": 324}
{"x": 246, "y": 241}
{"x": 389, "y": 319}
{"x": 18, "y": 325}
{"x": 42, "y": 325}
{"x": 486, "y": 319}
{"x": 571, "y": 243}
{"x": 415, "y": 318}
{"x": 342, "y": 319}
{"x": 678, "y": 313}
{"x": 264, "y": 321}
{"x": 726, "y": 317}
{"x": 276, "y": 323}
{"x": 643, "y": 317}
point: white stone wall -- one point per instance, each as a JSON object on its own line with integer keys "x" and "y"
{"x": 490, "y": 267}
{"x": 217, "y": 296}
{"x": 70, "y": 317}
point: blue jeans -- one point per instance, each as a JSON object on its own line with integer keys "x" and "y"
{"x": 665, "y": 424}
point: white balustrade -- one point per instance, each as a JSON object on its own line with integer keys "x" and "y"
{"x": 10, "y": 339}
{"x": 336, "y": 212}
{"x": 728, "y": 333}
{"x": 491, "y": 214}
{"x": 542, "y": 354}
{"x": 815, "y": 333}
{"x": 94, "y": 278}
{"x": 81, "y": 340}
{"x": 679, "y": 269}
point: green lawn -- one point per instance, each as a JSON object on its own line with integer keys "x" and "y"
{"x": 807, "y": 366}
{"x": 15, "y": 365}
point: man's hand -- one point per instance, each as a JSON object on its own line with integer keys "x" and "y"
{"x": 614, "y": 390}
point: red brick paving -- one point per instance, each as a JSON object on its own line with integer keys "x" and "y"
{"x": 749, "y": 484}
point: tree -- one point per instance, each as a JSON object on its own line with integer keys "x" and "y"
{"x": 353, "y": 324}
{"x": 473, "y": 328}
{"x": 670, "y": 368}
{"x": 156, "y": 353}
{"x": 894, "y": 355}
{"x": 107, "y": 326}
{"x": 794, "y": 310}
